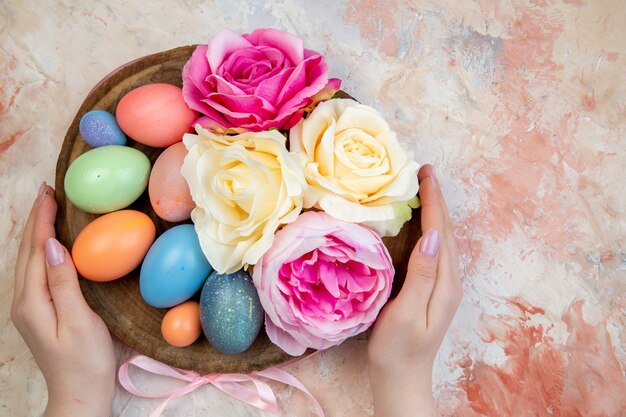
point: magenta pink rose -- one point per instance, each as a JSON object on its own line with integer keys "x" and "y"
{"x": 323, "y": 280}
{"x": 254, "y": 82}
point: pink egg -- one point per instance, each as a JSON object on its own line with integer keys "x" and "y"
{"x": 155, "y": 115}
{"x": 168, "y": 190}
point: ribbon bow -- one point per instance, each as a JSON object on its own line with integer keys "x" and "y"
{"x": 260, "y": 396}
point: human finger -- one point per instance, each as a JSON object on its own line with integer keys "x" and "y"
{"x": 67, "y": 297}
{"x": 35, "y": 281}
{"x": 422, "y": 268}
{"x": 23, "y": 252}
{"x": 421, "y": 276}
{"x": 447, "y": 292}
{"x": 431, "y": 202}
{"x": 449, "y": 232}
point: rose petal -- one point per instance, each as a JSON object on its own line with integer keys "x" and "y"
{"x": 291, "y": 45}
{"x": 283, "y": 339}
{"x": 196, "y": 69}
{"x": 392, "y": 227}
{"x": 326, "y": 93}
{"x": 240, "y": 110}
{"x": 220, "y": 85}
{"x": 316, "y": 76}
{"x": 366, "y": 118}
{"x": 210, "y": 124}
{"x": 221, "y": 45}
{"x": 270, "y": 89}
{"x": 294, "y": 118}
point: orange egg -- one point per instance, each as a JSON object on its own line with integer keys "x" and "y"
{"x": 113, "y": 245}
{"x": 155, "y": 115}
{"x": 181, "y": 325}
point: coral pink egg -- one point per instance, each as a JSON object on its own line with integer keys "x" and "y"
{"x": 181, "y": 324}
{"x": 113, "y": 245}
{"x": 169, "y": 192}
{"x": 155, "y": 115}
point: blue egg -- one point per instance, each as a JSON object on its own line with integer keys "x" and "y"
{"x": 230, "y": 311}
{"x": 99, "y": 128}
{"x": 174, "y": 268}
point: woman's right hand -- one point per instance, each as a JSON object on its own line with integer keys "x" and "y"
{"x": 410, "y": 329}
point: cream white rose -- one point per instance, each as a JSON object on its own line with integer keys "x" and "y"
{"x": 356, "y": 168}
{"x": 244, "y": 187}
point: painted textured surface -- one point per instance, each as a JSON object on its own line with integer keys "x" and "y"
{"x": 521, "y": 105}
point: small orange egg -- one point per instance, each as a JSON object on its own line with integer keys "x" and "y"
{"x": 113, "y": 245}
{"x": 181, "y": 325}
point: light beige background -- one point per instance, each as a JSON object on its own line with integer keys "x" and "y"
{"x": 521, "y": 106}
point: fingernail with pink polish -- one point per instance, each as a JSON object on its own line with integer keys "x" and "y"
{"x": 433, "y": 178}
{"x": 54, "y": 252}
{"x": 430, "y": 243}
{"x": 42, "y": 189}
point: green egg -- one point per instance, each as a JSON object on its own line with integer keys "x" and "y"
{"x": 107, "y": 178}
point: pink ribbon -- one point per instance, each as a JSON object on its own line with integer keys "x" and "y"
{"x": 259, "y": 396}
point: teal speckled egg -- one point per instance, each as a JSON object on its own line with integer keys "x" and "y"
{"x": 107, "y": 178}
{"x": 230, "y": 311}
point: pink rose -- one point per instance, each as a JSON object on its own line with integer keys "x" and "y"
{"x": 254, "y": 82}
{"x": 323, "y": 280}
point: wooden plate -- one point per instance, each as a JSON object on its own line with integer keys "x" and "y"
{"x": 119, "y": 302}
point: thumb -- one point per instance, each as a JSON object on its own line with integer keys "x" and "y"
{"x": 63, "y": 283}
{"x": 421, "y": 274}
